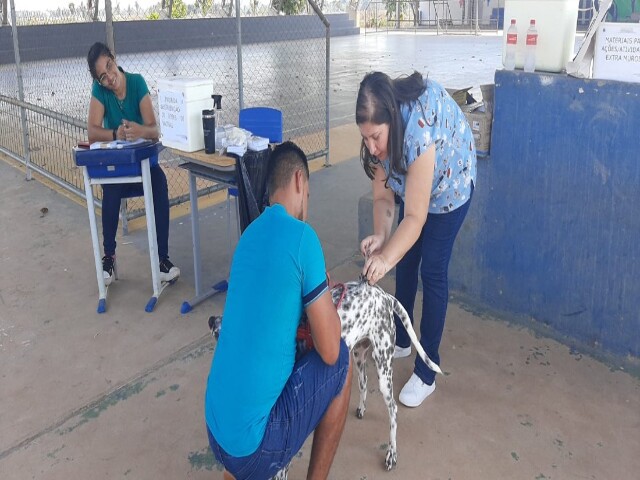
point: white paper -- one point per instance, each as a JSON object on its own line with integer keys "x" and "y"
{"x": 617, "y": 52}
{"x": 173, "y": 115}
{"x": 117, "y": 144}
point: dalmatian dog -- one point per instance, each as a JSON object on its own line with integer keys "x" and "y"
{"x": 366, "y": 312}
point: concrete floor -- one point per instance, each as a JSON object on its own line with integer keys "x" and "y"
{"x": 120, "y": 395}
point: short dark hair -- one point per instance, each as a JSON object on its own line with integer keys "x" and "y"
{"x": 378, "y": 102}
{"x": 285, "y": 159}
{"x": 96, "y": 51}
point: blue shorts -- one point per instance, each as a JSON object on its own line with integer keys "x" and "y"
{"x": 305, "y": 398}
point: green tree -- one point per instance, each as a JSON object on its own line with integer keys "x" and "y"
{"x": 391, "y": 6}
{"x": 204, "y": 6}
{"x": 92, "y": 9}
{"x": 179, "y": 9}
{"x": 227, "y": 7}
{"x": 5, "y": 20}
{"x": 288, "y": 7}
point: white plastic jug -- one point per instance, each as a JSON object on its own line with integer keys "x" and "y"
{"x": 556, "y": 22}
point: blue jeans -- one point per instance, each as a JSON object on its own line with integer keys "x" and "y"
{"x": 431, "y": 254}
{"x": 113, "y": 193}
{"x": 306, "y": 396}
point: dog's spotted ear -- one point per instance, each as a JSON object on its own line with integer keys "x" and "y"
{"x": 215, "y": 324}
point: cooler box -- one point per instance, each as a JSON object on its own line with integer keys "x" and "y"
{"x": 556, "y": 22}
{"x": 180, "y": 103}
{"x": 120, "y": 162}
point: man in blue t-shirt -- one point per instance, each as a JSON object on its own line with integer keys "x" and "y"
{"x": 261, "y": 404}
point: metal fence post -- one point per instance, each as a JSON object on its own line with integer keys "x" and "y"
{"x": 476, "y": 14}
{"x": 327, "y": 26}
{"x": 376, "y": 18}
{"x": 23, "y": 112}
{"x": 239, "y": 55}
{"x": 109, "y": 26}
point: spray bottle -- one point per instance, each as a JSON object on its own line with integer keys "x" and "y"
{"x": 221, "y": 135}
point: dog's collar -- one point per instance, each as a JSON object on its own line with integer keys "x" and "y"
{"x": 344, "y": 291}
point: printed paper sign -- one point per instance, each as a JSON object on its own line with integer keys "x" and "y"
{"x": 173, "y": 115}
{"x": 617, "y": 55}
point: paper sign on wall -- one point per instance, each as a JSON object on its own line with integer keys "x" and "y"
{"x": 173, "y": 115}
{"x": 617, "y": 52}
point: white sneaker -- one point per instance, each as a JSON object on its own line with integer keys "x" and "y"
{"x": 108, "y": 266}
{"x": 415, "y": 392}
{"x": 168, "y": 272}
{"x": 402, "y": 352}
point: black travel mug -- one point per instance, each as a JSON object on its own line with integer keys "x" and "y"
{"x": 209, "y": 130}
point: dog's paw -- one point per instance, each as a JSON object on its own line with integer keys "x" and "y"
{"x": 360, "y": 412}
{"x": 391, "y": 459}
{"x": 282, "y": 474}
{"x": 215, "y": 324}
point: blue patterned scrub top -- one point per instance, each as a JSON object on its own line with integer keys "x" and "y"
{"x": 436, "y": 118}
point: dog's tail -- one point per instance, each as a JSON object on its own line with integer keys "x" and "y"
{"x": 406, "y": 321}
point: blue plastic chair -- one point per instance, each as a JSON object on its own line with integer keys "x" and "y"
{"x": 262, "y": 121}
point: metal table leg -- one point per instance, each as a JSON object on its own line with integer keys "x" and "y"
{"x": 102, "y": 289}
{"x": 219, "y": 287}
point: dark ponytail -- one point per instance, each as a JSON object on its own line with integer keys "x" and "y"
{"x": 408, "y": 89}
{"x": 379, "y": 100}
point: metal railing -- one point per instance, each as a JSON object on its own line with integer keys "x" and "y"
{"x": 44, "y": 102}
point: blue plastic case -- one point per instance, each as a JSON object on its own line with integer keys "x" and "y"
{"x": 120, "y": 162}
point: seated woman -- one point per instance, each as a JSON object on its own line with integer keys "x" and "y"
{"x": 121, "y": 109}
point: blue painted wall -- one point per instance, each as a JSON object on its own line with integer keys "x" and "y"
{"x": 552, "y": 237}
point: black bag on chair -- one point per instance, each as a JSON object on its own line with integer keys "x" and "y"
{"x": 251, "y": 172}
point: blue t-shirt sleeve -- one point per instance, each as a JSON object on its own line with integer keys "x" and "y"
{"x": 314, "y": 276}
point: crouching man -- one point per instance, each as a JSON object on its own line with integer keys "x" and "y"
{"x": 261, "y": 404}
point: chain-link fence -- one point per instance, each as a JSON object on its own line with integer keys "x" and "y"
{"x": 441, "y": 16}
{"x": 255, "y": 57}
{"x": 444, "y": 16}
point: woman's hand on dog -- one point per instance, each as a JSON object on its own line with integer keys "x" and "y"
{"x": 371, "y": 245}
{"x": 375, "y": 268}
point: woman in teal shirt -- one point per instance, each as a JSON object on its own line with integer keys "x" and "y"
{"x": 121, "y": 109}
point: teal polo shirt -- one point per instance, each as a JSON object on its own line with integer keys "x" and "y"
{"x": 278, "y": 269}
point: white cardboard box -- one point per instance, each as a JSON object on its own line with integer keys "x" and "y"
{"x": 617, "y": 52}
{"x": 180, "y": 102}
